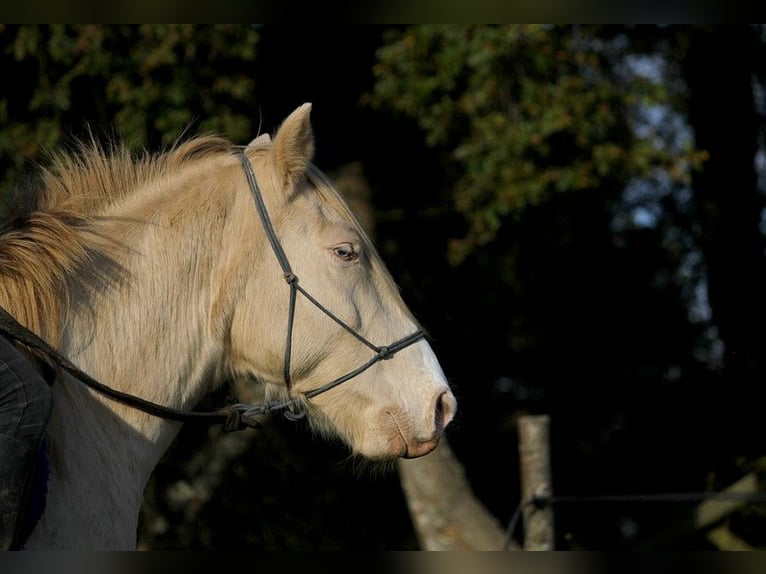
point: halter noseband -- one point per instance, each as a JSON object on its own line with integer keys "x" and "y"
{"x": 291, "y": 407}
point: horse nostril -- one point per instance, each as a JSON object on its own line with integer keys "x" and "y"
{"x": 445, "y": 410}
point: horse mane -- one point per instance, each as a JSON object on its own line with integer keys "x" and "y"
{"x": 84, "y": 179}
{"x": 51, "y": 255}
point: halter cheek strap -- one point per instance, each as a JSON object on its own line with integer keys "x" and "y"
{"x": 292, "y": 408}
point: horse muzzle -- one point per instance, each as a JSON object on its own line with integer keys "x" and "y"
{"x": 416, "y": 444}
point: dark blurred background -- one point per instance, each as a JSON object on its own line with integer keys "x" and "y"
{"x": 575, "y": 213}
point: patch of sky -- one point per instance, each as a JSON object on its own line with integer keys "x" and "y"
{"x": 642, "y": 202}
{"x": 646, "y": 66}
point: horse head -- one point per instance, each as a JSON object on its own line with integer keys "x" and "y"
{"x": 339, "y": 305}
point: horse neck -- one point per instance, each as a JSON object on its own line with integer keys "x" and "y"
{"x": 153, "y": 336}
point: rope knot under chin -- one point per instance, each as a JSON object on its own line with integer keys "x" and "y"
{"x": 291, "y": 278}
{"x": 294, "y": 413}
{"x": 384, "y": 352}
{"x": 235, "y": 420}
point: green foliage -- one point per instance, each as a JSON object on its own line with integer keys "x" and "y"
{"x": 147, "y": 83}
{"x": 525, "y": 112}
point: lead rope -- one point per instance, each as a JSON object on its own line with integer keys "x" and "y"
{"x": 230, "y": 416}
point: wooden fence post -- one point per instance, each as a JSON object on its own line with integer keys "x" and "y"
{"x": 535, "y": 469}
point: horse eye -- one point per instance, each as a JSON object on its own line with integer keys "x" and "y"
{"x": 345, "y": 251}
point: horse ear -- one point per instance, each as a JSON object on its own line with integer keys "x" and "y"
{"x": 262, "y": 139}
{"x": 294, "y": 144}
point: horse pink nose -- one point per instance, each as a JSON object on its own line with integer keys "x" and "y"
{"x": 446, "y": 406}
{"x": 444, "y": 412}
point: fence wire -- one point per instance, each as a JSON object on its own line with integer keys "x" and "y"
{"x": 541, "y": 502}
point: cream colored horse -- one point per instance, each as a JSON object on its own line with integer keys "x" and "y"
{"x": 155, "y": 276}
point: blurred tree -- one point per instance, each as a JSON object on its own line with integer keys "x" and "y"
{"x": 580, "y": 280}
{"x": 719, "y": 64}
{"x": 525, "y": 112}
{"x": 145, "y": 84}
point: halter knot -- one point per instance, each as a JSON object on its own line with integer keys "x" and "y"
{"x": 291, "y": 278}
{"x": 239, "y": 416}
{"x": 233, "y": 421}
{"x": 384, "y": 352}
{"x": 294, "y": 415}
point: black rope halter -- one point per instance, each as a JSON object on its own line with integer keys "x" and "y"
{"x": 234, "y": 416}
{"x": 293, "y": 409}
